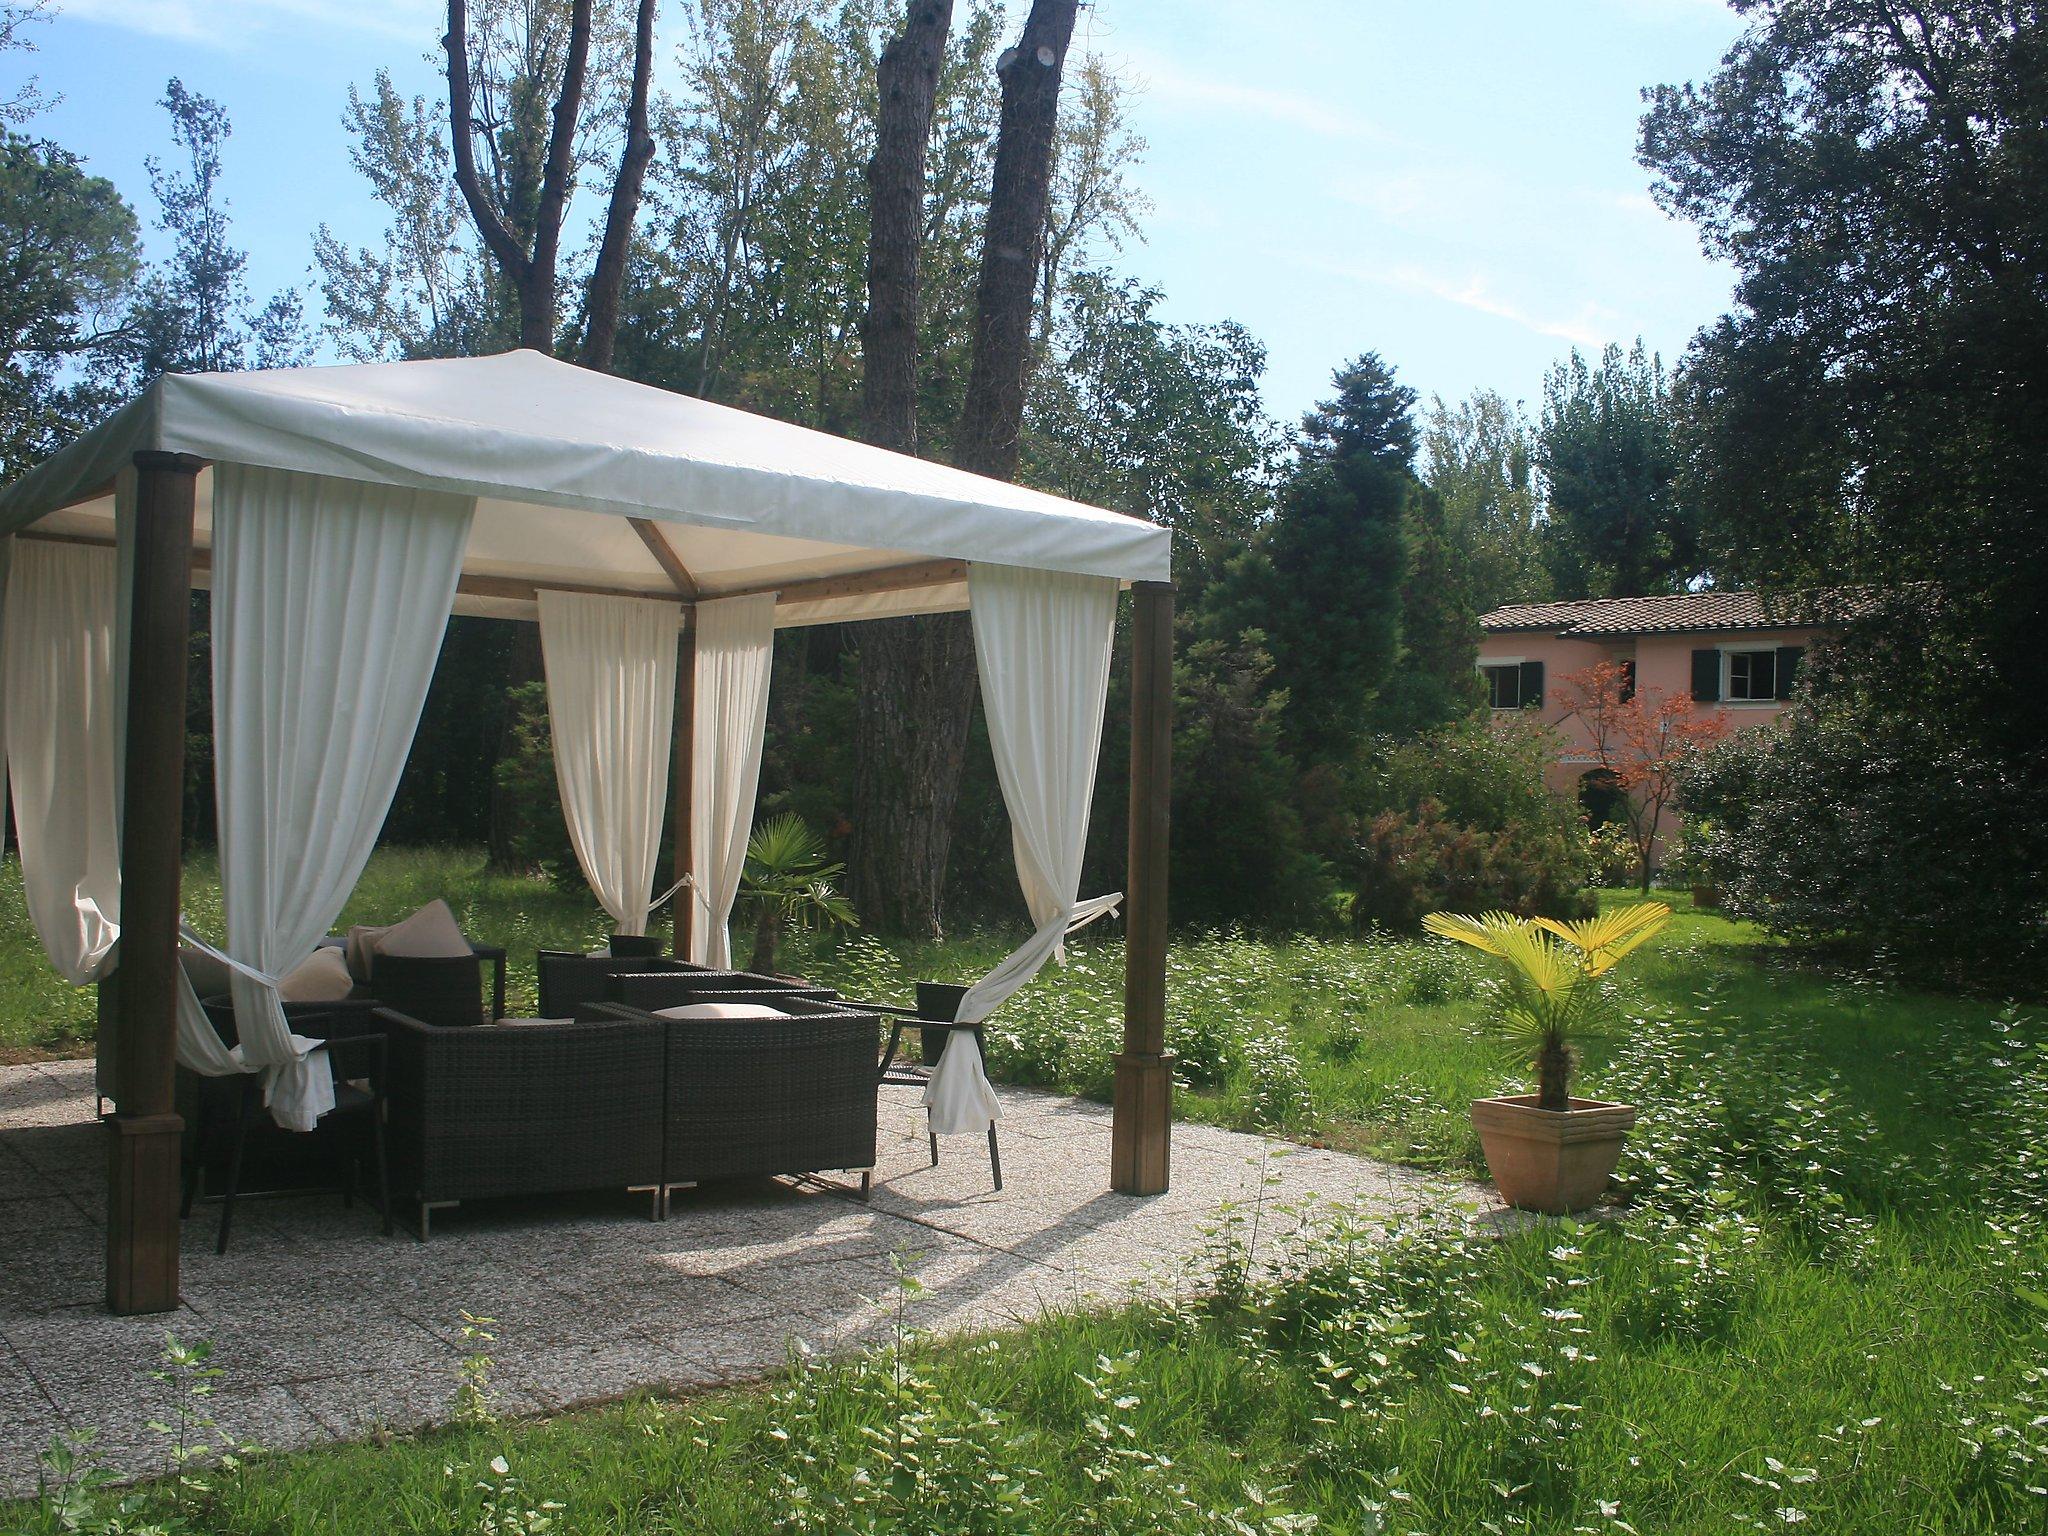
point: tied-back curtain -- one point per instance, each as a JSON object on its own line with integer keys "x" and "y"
{"x": 59, "y": 638}
{"x": 611, "y": 679}
{"x": 330, "y": 598}
{"x": 1042, "y": 644}
{"x": 735, "y": 654}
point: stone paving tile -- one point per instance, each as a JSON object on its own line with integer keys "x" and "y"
{"x": 327, "y": 1329}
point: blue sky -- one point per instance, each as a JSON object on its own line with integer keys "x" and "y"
{"x": 1451, "y": 183}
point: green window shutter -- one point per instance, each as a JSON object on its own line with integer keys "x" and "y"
{"x": 1532, "y": 684}
{"x": 1788, "y": 668}
{"x": 1706, "y": 677}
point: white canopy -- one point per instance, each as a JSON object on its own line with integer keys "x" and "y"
{"x": 586, "y": 481}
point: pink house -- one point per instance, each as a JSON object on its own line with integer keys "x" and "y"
{"x": 1736, "y": 653}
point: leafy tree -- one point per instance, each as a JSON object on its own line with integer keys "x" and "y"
{"x": 1372, "y": 414}
{"x": 1161, "y": 421}
{"x": 1479, "y": 460}
{"x": 192, "y": 311}
{"x": 1240, "y": 853}
{"x": 1617, "y": 525}
{"x": 1435, "y": 679}
{"x": 1337, "y": 555}
{"x": 1875, "y": 407}
{"x": 425, "y": 289}
{"x": 28, "y": 98}
{"x": 68, "y": 257}
{"x": 1641, "y": 741}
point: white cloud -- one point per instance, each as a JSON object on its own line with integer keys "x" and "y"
{"x": 1161, "y": 80}
{"x": 1590, "y": 326}
{"x": 231, "y": 23}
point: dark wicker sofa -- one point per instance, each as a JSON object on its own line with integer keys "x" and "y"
{"x": 522, "y": 1109}
{"x": 747, "y": 1098}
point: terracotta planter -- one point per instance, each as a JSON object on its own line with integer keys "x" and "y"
{"x": 1554, "y": 1161}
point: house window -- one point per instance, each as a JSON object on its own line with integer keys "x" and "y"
{"x": 1752, "y": 676}
{"x": 1515, "y": 684}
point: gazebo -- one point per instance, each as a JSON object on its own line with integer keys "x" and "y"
{"x": 340, "y": 514}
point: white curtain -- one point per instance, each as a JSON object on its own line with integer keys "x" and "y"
{"x": 735, "y": 654}
{"x": 611, "y": 677}
{"x": 1042, "y": 644}
{"x": 330, "y": 598}
{"x": 58, "y": 636}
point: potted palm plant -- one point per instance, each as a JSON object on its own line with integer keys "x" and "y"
{"x": 1548, "y": 1151}
{"x": 787, "y": 882}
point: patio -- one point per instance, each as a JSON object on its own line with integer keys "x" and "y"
{"x": 327, "y": 1330}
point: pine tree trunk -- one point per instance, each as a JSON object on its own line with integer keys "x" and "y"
{"x": 917, "y": 681}
{"x": 911, "y": 712}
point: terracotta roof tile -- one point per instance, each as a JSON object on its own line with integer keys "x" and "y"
{"x": 1682, "y": 613}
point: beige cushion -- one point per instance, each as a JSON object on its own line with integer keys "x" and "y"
{"x": 323, "y": 978}
{"x": 720, "y": 1011}
{"x": 430, "y": 933}
{"x": 208, "y": 975}
{"x": 362, "y": 943}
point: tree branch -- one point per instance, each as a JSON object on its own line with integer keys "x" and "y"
{"x": 561, "y": 166}
{"x": 497, "y": 235}
{"x": 607, "y": 280}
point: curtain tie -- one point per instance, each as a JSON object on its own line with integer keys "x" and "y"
{"x": 261, "y": 978}
{"x": 1080, "y": 915}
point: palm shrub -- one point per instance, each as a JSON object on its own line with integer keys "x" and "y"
{"x": 1552, "y": 979}
{"x": 787, "y": 883}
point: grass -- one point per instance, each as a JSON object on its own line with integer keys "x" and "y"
{"x": 1825, "y": 1309}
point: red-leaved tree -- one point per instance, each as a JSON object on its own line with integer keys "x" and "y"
{"x": 1639, "y": 740}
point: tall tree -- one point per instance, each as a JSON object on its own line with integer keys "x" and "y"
{"x": 908, "y": 76}
{"x": 528, "y": 117}
{"x": 192, "y": 311}
{"x": 68, "y": 258}
{"x": 916, "y": 699}
{"x": 1478, "y": 459}
{"x": 1874, "y": 407}
{"x": 1618, "y": 526}
{"x": 1372, "y": 413}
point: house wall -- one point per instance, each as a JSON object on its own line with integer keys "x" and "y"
{"x": 1663, "y": 669}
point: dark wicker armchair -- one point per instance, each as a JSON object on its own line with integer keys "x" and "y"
{"x": 754, "y": 1097}
{"x": 569, "y": 982}
{"x": 522, "y": 1109}
{"x": 651, "y": 990}
{"x": 446, "y": 990}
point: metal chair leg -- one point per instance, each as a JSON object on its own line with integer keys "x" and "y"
{"x": 995, "y": 1157}
{"x": 227, "y": 1204}
{"x": 935, "y": 1149}
{"x": 383, "y": 1169}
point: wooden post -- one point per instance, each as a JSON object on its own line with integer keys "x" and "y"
{"x": 1140, "y": 1141}
{"x": 145, "y": 1132}
{"x": 683, "y": 906}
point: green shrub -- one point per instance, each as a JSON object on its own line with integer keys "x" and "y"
{"x": 1462, "y": 819}
{"x": 1857, "y": 822}
{"x": 1426, "y": 863}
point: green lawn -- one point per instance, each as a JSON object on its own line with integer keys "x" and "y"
{"x": 1826, "y": 1308}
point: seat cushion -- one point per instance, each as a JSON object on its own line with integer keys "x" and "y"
{"x": 430, "y": 933}
{"x": 321, "y": 978}
{"x": 208, "y": 975}
{"x": 720, "y": 1011}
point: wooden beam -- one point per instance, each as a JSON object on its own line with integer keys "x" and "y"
{"x": 818, "y": 589}
{"x": 666, "y": 557}
{"x": 145, "y": 1131}
{"x": 519, "y": 589}
{"x": 1140, "y": 1140}
{"x": 683, "y": 907}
